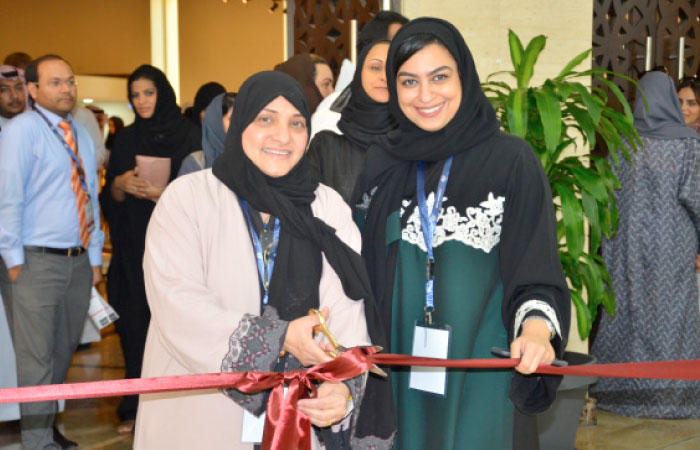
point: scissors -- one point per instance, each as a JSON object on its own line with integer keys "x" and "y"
{"x": 337, "y": 348}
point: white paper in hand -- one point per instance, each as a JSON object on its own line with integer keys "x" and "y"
{"x": 100, "y": 312}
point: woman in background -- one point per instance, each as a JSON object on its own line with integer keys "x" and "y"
{"x": 214, "y": 126}
{"x": 311, "y": 72}
{"x": 323, "y": 75}
{"x": 336, "y": 158}
{"x": 689, "y": 97}
{"x": 651, "y": 261}
{"x": 127, "y": 202}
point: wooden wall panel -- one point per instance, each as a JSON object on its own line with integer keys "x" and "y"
{"x": 323, "y": 26}
{"x": 620, "y": 29}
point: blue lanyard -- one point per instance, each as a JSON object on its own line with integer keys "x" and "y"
{"x": 429, "y": 223}
{"x": 265, "y": 258}
{"x": 73, "y": 156}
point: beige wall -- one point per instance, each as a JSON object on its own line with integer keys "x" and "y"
{"x": 226, "y": 42}
{"x": 568, "y": 25}
{"x": 98, "y": 37}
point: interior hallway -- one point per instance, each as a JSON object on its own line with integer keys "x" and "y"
{"x": 92, "y": 422}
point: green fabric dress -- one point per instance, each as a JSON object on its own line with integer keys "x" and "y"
{"x": 476, "y": 412}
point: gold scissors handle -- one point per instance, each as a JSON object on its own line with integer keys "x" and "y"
{"x": 338, "y": 349}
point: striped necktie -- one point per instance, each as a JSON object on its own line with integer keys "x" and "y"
{"x": 81, "y": 195}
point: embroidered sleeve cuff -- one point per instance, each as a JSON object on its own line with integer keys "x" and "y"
{"x": 537, "y": 309}
{"x": 254, "y": 346}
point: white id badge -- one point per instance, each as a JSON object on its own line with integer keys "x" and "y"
{"x": 253, "y": 426}
{"x": 430, "y": 342}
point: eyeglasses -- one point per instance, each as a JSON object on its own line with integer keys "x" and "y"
{"x": 71, "y": 83}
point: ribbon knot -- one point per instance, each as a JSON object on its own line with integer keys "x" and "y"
{"x": 285, "y": 426}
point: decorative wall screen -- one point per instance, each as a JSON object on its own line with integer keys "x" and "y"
{"x": 620, "y": 29}
{"x": 323, "y": 26}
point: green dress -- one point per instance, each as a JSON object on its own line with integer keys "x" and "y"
{"x": 476, "y": 410}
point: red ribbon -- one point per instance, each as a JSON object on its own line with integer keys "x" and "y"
{"x": 285, "y": 427}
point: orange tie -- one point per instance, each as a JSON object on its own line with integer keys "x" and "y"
{"x": 81, "y": 195}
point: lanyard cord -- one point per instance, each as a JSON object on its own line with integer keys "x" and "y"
{"x": 428, "y": 225}
{"x": 73, "y": 156}
{"x": 265, "y": 258}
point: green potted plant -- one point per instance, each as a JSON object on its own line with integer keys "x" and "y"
{"x": 552, "y": 118}
{"x": 556, "y": 117}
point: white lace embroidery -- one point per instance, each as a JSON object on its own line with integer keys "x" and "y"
{"x": 540, "y": 306}
{"x": 480, "y": 227}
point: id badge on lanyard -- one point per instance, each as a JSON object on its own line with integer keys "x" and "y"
{"x": 430, "y": 339}
{"x": 265, "y": 257}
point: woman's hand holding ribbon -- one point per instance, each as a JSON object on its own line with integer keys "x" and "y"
{"x": 532, "y": 347}
{"x": 329, "y": 406}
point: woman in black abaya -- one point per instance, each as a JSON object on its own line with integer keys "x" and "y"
{"x": 127, "y": 201}
{"x": 337, "y": 159}
{"x": 495, "y": 277}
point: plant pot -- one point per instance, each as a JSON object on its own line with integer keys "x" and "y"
{"x": 557, "y": 426}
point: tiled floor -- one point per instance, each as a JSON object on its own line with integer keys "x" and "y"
{"x": 92, "y": 423}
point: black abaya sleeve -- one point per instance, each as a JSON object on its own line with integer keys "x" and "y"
{"x": 531, "y": 269}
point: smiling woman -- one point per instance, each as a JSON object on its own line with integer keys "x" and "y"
{"x": 460, "y": 243}
{"x": 276, "y": 139}
{"x": 260, "y": 242}
{"x": 428, "y": 85}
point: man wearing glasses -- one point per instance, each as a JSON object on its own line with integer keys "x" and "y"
{"x": 50, "y": 237}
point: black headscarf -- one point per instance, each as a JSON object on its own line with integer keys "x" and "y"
{"x": 364, "y": 120}
{"x": 205, "y": 94}
{"x": 166, "y": 132}
{"x": 390, "y": 165}
{"x": 303, "y": 69}
{"x": 664, "y": 119}
{"x": 303, "y": 237}
{"x": 294, "y": 287}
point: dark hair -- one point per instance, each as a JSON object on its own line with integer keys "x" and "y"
{"x": 378, "y": 28}
{"x": 692, "y": 83}
{"x": 118, "y": 123}
{"x": 411, "y": 46}
{"x": 205, "y": 94}
{"x": 317, "y": 59}
{"x": 31, "y": 74}
{"x": 227, "y": 102}
{"x": 18, "y": 59}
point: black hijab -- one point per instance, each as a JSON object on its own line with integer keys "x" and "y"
{"x": 205, "y": 94}
{"x": 294, "y": 285}
{"x": 364, "y": 120}
{"x": 390, "y": 166}
{"x": 166, "y": 132}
